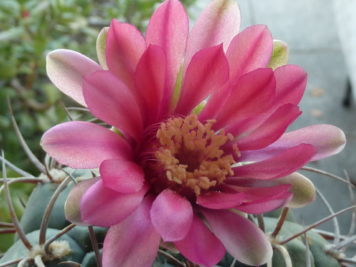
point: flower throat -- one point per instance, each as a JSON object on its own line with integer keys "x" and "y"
{"x": 189, "y": 157}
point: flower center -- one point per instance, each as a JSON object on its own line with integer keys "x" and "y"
{"x": 190, "y": 155}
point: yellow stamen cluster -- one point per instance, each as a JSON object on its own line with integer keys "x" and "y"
{"x": 191, "y": 155}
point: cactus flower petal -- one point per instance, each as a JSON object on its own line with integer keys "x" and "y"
{"x": 122, "y": 176}
{"x": 208, "y": 251}
{"x": 109, "y": 99}
{"x": 66, "y": 69}
{"x": 99, "y": 211}
{"x": 168, "y": 28}
{"x": 327, "y": 140}
{"x": 241, "y": 238}
{"x": 133, "y": 242}
{"x": 171, "y": 215}
{"x": 84, "y": 145}
{"x": 218, "y": 23}
{"x": 245, "y": 58}
{"x": 124, "y": 47}
{"x": 279, "y": 165}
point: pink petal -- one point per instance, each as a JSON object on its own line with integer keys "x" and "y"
{"x": 218, "y": 23}
{"x": 279, "y": 165}
{"x": 291, "y": 81}
{"x": 327, "y": 139}
{"x": 72, "y": 204}
{"x": 171, "y": 215}
{"x": 168, "y": 28}
{"x": 249, "y": 50}
{"x": 150, "y": 81}
{"x": 200, "y": 245}
{"x": 222, "y": 200}
{"x": 66, "y": 69}
{"x": 267, "y": 204}
{"x": 133, "y": 242}
{"x": 241, "y": 238}
{"x": 80, "y": 144}
{"x": 112, "y": 101}
{"x": 122, "y": 176}
{"x": 124, "y": 47}
{"x": 253, "y": 92}
{"x": 207, "y": 72}
{"x": 102, "y": 206}
{"x": 271, "y": 129}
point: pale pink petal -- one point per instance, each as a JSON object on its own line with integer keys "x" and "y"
{"x": 207, "y": 72}
{"x": 84, "y": 145}
{"x": 218, "y": 23}
{"x": 171, "y": 215}
{"x": 66, "y": 69}
{"x": 134, "y": 242}
{"x": 72, "y": 204}
{"x": 168, "y": 28}
{"x": 223, "y": 200}
{"x": 291, "y": 81}
{"x": 102, "y": 206}
{"x": 241, "y": 238}
{"x": 200, "y": 245}
{"x": 268, "y": 204}
{"x": 279, "y": 165}
{"x": 112, "y": 101}
{"x": 253, "y": 92}
{"x": 122, "y": 176}
{"x": 249, "y": 50}
{"x": 150, "y": 81}
{"x": 124, "y": 47}
{"x": 327, "y": 139}
{"x": 271, "y": 129}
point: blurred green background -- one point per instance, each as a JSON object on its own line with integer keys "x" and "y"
{"x": 28, "y": 30}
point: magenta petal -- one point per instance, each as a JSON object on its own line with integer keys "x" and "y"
{"x": 249, "y": 50}
{"x": 80, "y": 144}
{"x": 122, "y": 176}
{"x": 279, "y": 165}
{"x": 291, "y": 81}
{"x": 327, "y": 139}
{"x": 168, "y": 28}
{"x": 241, "y": 238}
{"x": 150, "y": 81}
{"x": 271, "y": 129}
{"x": 132, "y": 243}
{"x": 251, "y": 93}
{"x": 266, "y": 205}
{"x": 171, "y": 215}
{"x": 112, "y": 101}
{"x": 218, "y": 23}
{"x": 124, "y": 47}
{"x": 221, "y": 200}
{"x": 102, "y": 206}
{"x": 200, "y": 245}
{"x": 207, "y": 72}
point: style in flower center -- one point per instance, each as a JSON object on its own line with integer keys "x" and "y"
{"x": 191, "y": 156}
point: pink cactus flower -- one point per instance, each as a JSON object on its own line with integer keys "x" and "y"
{"x": 199, "y": 136}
